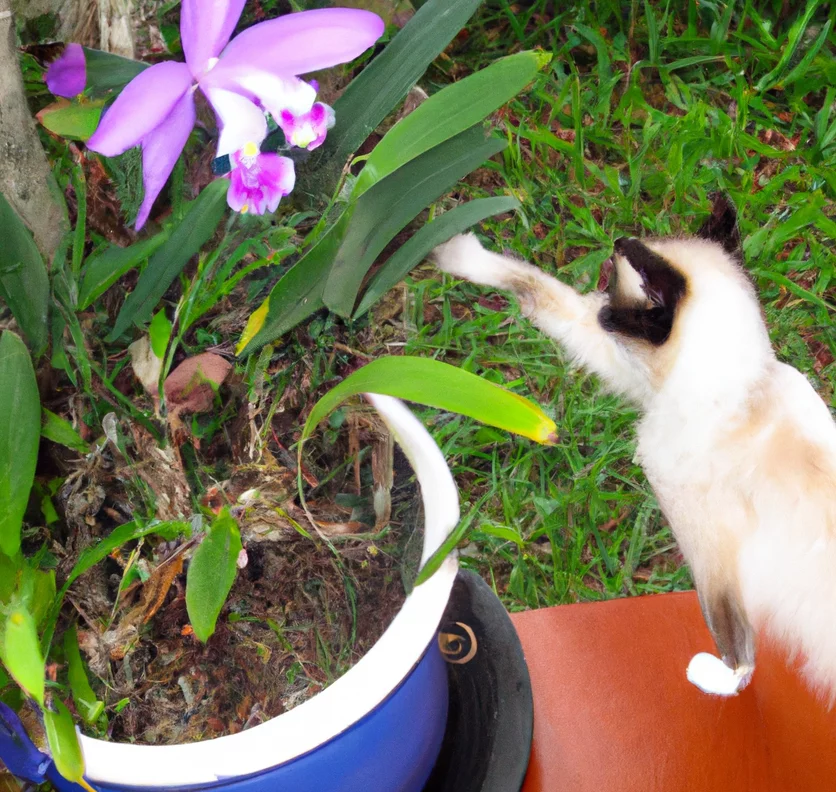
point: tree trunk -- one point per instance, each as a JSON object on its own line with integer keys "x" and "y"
{"x": 116, "y": 28}
{"x": 25, "y": 176}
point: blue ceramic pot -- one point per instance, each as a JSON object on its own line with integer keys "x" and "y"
{"x": 378, "y": 728}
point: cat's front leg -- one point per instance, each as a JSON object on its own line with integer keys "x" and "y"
{"x": 570, "y": 318}
{"x": 735, "y": 639}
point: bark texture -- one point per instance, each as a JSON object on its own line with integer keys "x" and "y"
{"x": 26, "y": 179}
{"x": 116, "y": 28}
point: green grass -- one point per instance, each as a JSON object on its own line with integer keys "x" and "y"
{"x": 646, "y": 109}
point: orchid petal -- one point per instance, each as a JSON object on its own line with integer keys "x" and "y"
{"x": 145, "y": 102}
{"x": 302, "y": 42}
{"x": 307, "y": 130}
{"x": 240, "y": 121}
{"x": 67, "y": 75}
{"x": 160, "y": 150}
{"x": 276, "y": 94}
{"x": 205, "y": 28}
{"x": 257, "y": 184}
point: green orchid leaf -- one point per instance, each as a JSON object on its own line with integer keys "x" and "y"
{"x": 24, "y": 285}
{"x": 59, "y": 430}
{"x": 64, "y": 745}
{"x": 211, "y": 574}
{"x": 371, "y": 96}
{"x": 20, "y": 431}
{"x": 21, "y": 652}
{"x": 192, "y": 232}
{"x": 452, "y": 110}
{"x": 426, "y": 239}
{"x": 392, "y": 203}
{"x": 445, "y": 387}
{"x": 103, "y": 270}
{"x": 89, "y": 707}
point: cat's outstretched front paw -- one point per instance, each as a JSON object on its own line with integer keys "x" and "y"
{"x": 460, "y": 257}
{"x": 464, "y": 257}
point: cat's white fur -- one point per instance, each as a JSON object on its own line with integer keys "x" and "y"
{"x": 738, "y": 447}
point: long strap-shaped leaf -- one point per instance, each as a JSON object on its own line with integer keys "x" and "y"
{"x": 20, "y": 430}
{"x": 334, "y": 268}
{"x": 426, "y": 239}
{"x": 165, "y": 265}
{"x": 387, "y": 79}
{"x": 452, "y": 110}
{"x": 391, "y": 204}
{"x": 445, "y": 387}
{"x": 24, "y": 285}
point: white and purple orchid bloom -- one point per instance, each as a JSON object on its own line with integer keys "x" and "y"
{"x": 67, "y": 74}
{"x": 256, "y": 72}
{"x": 258, "y": 181}
{"x": 307, "y": 130}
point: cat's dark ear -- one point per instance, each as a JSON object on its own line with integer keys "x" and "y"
{"x": 721, "y": 226}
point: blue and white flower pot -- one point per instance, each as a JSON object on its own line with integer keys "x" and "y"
{"x": 378, "y": 728}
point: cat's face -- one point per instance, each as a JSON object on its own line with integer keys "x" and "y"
{"x": 652, "y": 278}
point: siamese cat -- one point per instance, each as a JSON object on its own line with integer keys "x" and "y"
{"x": 738, "y": 447}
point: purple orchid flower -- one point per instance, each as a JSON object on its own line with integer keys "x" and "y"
{"x": 255, "y": 72}
{"x": 307, "y": 130}
{"x": 67, "y": 74}
{"x": 259, "y": 181}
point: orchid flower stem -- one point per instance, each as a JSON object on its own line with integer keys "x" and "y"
{"x": 317, "y": 231}
{"x": 80, "y": 189}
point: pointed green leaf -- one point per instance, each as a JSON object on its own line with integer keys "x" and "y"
{"x": 59, "y": 430}
{"x": 21, "y": 652}
{"x": 24, "y": 285}
{"x": 63, "y": 743}
{"x": 211, "y": 574}
{"x": 371, "y": 96}
{"x": 9, "y": 568}
{"x": 107, "y": 72}
{"x": 193, "y": 231}
{"x": 443, "y": 386}
{"x": 20, "y": 431}
{"x": 392, "y": 203}
{"x": 159, "y": 332}
{"x": 103, "y": 270}
{"x": 88, "y": 706}
{"x": 297, "y": 295}
{"x": 452, "y": 110}
{"x": 427, "y": 238}
{"x": 73, "y": 120}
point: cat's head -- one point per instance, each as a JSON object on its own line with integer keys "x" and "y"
{"x": 653, "y": 278}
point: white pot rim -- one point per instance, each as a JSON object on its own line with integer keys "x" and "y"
{"x": 360, "y": 690}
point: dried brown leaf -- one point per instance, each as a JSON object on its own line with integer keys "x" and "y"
{"x": 191, "y": 387}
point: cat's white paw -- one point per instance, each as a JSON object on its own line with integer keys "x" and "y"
{"x": 460, "y": 257}
{"x": 711, "y": 675}
{"x": 464, "y": 257}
